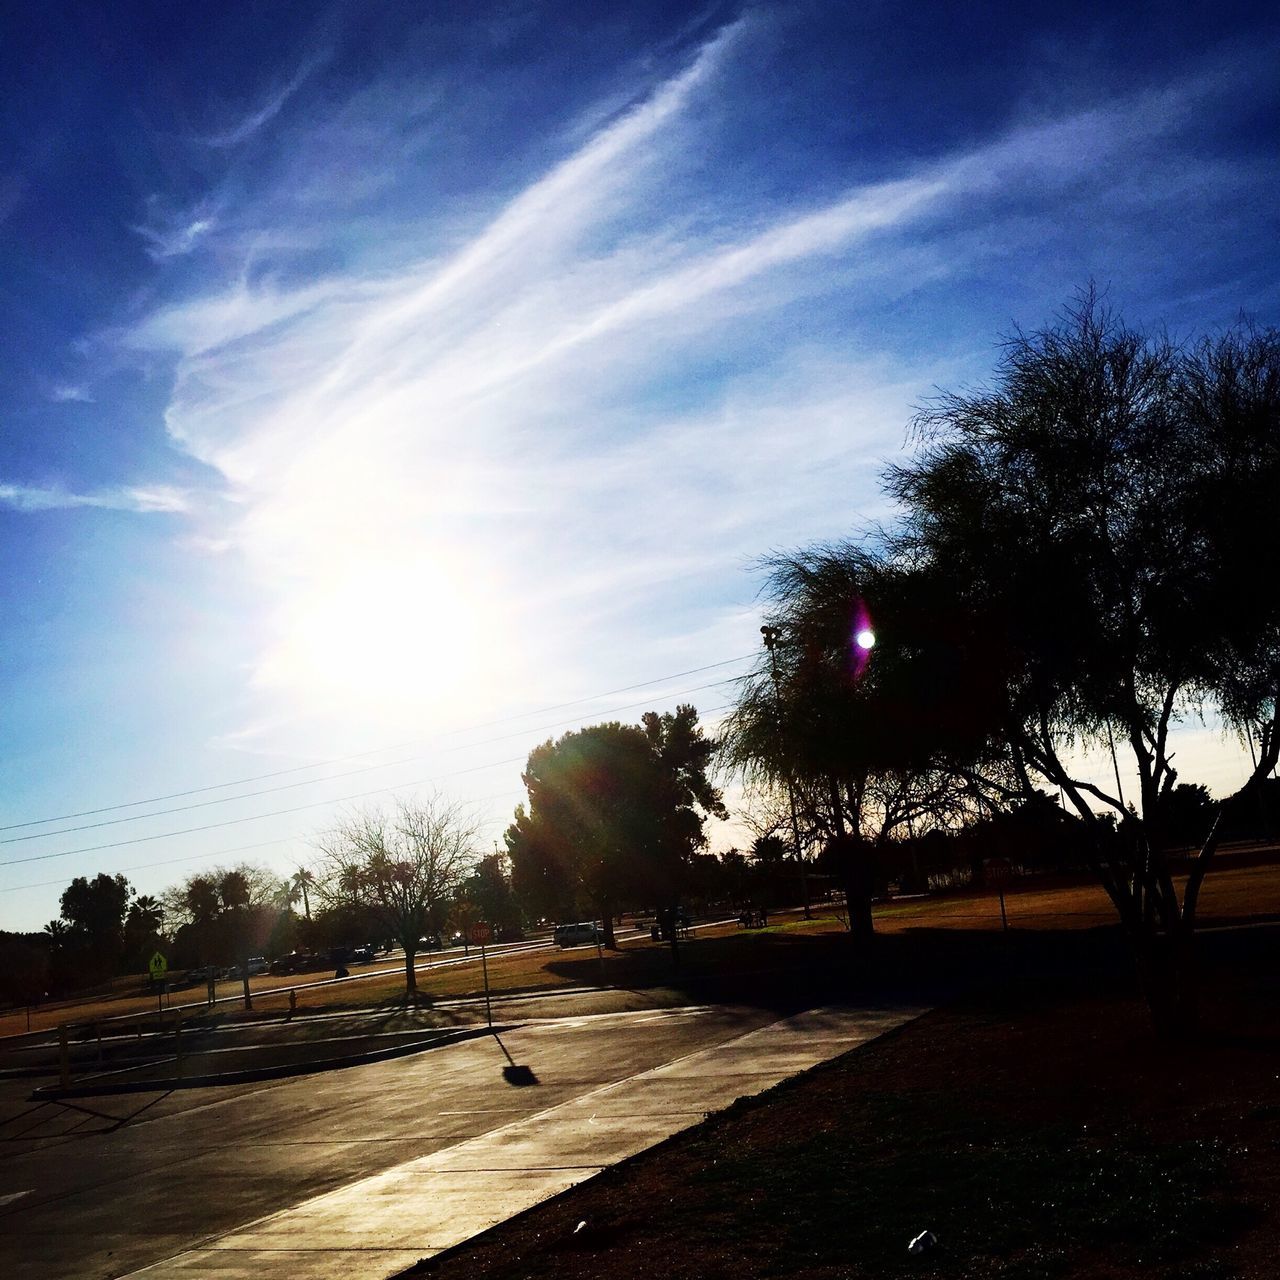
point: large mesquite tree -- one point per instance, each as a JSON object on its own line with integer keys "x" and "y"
{"x": 1100, "y": 514}
{"x": 1082, "y": 559}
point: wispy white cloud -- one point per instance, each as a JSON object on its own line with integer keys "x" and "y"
{"x": 274, "y": 103}
{"x": 174, "y": 233}
{"x": 507, "y": 461}
{"x": 144, "y": 500}
{"x": 66, "y": 393}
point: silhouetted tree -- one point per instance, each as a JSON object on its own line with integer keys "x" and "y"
{"x": 615, "y": 812}
{"x": 873, "y": 737}
{"x": 1096, "y": 517}
{"x": 488, "y": 890}
{"x": 142, "y": 925}
{"x": 224, "y": 914}
{"x": 95, "y": 911}
{"x": 300, "y": 884}
{"x": 403, "y": 868}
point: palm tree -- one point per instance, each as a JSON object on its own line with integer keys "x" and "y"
{"x": 147, "y": 913}
{"x": 300, "y": 881}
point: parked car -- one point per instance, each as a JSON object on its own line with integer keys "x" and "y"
{"x": 257, "y": 965}
{"x": 284, "y": 964}
{"x": 431, "y": 942}
{"x": 360, "y": 955}
{"x": 576, "y": 935}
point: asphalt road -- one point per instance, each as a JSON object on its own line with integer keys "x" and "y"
{"x": 103, "y": 1187}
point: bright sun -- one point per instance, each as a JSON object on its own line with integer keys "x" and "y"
{"x": 383, "y": 638}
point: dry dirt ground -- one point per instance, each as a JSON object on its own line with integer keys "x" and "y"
{"x": 1040, "y": 1132}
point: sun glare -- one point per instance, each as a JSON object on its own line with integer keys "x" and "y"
{"x": 385, "y": 639}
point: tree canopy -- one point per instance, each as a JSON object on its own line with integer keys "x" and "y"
{"x": 1075, "y": 565}
{"x": 1099, "y": 512}
{"x": 615, "y": 813}
{"x": 870, "y": 737}
{"x": 399, "y": 869}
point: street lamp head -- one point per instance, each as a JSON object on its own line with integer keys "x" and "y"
{"x": 865, "y": 639}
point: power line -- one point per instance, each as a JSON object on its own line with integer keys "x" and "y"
{"x": 333, "y": 777}
{"x": 276, "y": 813}
{"x": 202, "y": 857}
{"x": 164, "y": 862}
{"x": 253, "y": 817}
{"x": 262, "y": 844}
{"x": 227, "y": 853}
{"x": 320, "y": 764}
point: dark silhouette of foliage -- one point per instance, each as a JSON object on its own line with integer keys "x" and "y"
{"x": 1099, "y": 512}
{"x": 94, "y": 911}
{"x": 875, "y": 741}
{"x": 399, "y": 870}
{"x": 615, "y": 814}
{"x": 1076, "y": 565}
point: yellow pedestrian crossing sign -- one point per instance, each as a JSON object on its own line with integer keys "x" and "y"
{"x": 159, "y": 966}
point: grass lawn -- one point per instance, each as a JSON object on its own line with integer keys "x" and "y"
{"x": 1236, "y": 889}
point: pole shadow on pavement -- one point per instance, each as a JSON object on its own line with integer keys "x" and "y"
{"x": 515, "y": 1073}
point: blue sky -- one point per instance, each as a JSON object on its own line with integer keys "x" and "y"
{"x": 379, "y": 376}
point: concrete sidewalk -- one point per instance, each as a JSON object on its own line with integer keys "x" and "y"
{"x": 382, "y": 1224}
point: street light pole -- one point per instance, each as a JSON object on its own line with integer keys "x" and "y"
{"x": 771, "y": 637}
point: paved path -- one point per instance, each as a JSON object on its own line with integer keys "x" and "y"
{"x": 359, "y": 1173}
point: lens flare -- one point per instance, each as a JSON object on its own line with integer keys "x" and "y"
{"x": 862, "y": 638}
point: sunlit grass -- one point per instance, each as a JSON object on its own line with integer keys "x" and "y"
{"x": 1229, "y": 893}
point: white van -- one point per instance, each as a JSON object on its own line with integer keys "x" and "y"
{"x": 576, "y": 935}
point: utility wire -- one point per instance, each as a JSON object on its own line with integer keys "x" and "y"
{"x": 276, "y": 813}
{"x": 361, "y": 755}
{"x": 333, "y": 777}
{"x": 217, "y": 853}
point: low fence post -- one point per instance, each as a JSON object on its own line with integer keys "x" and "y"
{"x": 64, "y": 1057}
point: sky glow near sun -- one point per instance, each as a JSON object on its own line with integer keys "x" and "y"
{"x": 407, "y": 372}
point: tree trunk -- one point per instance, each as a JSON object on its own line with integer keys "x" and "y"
{"x": 857, "y": 891}
{"x": 410, "y": 973}
{"x": 857, "y": 902}
{"x": 1168, "y": 978}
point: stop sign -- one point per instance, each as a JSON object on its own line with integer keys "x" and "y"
{"x": 480, "y": 933}
{"x": 999, "y": 872}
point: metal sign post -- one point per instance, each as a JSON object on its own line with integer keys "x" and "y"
{"x": 158, "y": 967}
{"x": 999, "y": 871}
{"x": 481, "y": 934}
